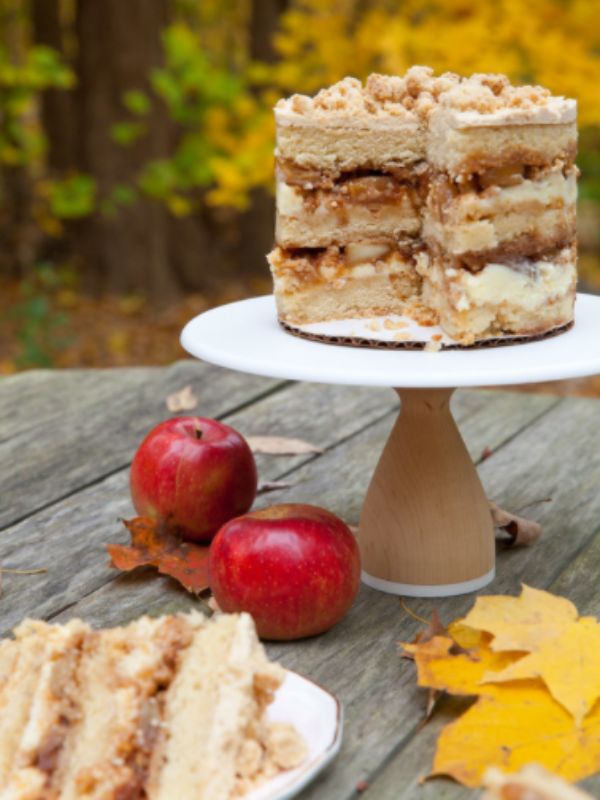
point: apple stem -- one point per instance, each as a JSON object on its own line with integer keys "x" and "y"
{"x": 198, "y": 433}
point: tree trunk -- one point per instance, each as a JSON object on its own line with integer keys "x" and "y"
{"x": 119, "y": 44}
{"x": 57, "y": 105}
{"x": 256, "y": 225}
{"x": 18, "y": 233}
{"x": 263, "y": 24}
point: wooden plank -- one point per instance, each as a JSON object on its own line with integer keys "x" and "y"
{"x": 30, "y": 399}
{"x": 372, "y": 691}
{"x": 56, "y": 457}
{"x": 357, "y": 659}
{"x": 75, "y": 530}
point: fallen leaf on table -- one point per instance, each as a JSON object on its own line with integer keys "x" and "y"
{"x": 272, "y": 486}
{"x": 522, "y": 531}
{"x": 152, "y": 544}
{"x": 532, "y": 664}
{"x": 439, "y": 666}
{"x": 511, "y": 729}
{"x": 183, "y": 400}
{"x": 280, "y": 446}
{"x": 432, "y": 701}
{"x": 435, "y": 627}
{"x": 530, "y": 783}
{"x": 524, "y": 622}
{"x": 576, "y": 639}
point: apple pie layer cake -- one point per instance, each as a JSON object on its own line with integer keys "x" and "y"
{"x": 160, "y": 709}
{"x": 452, "y": 199}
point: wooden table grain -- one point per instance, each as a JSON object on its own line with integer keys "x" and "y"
{"x": 66, "y": 441}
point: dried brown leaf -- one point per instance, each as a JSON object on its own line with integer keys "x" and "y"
{"x": 523, "y": 532}
{"x": 154, "y": 544}
{"x": 281, "y": 446}
{"x": 432, "y": 700}
{"x": 435, "y": 627}
{"x": 183, "y": 400}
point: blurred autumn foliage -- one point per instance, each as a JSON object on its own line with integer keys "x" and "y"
{"x": 136, "y": 144}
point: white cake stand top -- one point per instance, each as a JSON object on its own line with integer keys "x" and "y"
{"x": 246, "y": 336}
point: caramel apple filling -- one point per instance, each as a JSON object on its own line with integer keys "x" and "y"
{"x": 334, "y": 266}
{"x": 356, "y": 206}
{"x": 358, "y": 280}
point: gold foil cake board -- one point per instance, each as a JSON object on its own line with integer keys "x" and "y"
{"x": 399, "y": 332}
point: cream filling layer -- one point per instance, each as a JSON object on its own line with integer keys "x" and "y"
{"x": 527, "y": 287}
{"x": 542, "y": 209}
{"x": 553, "y": 189}
{"x": 551, "y": 227}
{"x": 289, "y": 200}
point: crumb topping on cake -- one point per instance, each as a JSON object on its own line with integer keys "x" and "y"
{"x": 419, "y": 92}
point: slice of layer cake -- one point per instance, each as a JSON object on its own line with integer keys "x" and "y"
{"x": 161, "y": 708}
{"x": 222, "y": 688}
{"x": 457, "y": 193}
{"x": 36, "y": 702}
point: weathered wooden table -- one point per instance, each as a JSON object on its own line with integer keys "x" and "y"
{"x": 66, "y": 440}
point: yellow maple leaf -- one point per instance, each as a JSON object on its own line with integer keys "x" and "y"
{"x": 517, "y": 725}
{"x": 460, "y": 673}
{"x": 536, "y": 702}
{"x": 543, "y": 624}
{"x": 521, "y": 623}
{"x": 568, "y": 665}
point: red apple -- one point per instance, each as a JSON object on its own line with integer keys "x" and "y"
{"x": 295, "y": 568}
{"x": 195, "y": 473}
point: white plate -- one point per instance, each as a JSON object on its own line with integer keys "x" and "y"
{"x": 246, "y": 336}
{"x": 317, "y": 716}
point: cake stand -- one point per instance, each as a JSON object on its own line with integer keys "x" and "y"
{"x": 425, "y": 528}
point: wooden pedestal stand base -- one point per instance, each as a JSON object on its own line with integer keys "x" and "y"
{"x": 426, "y": 528}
